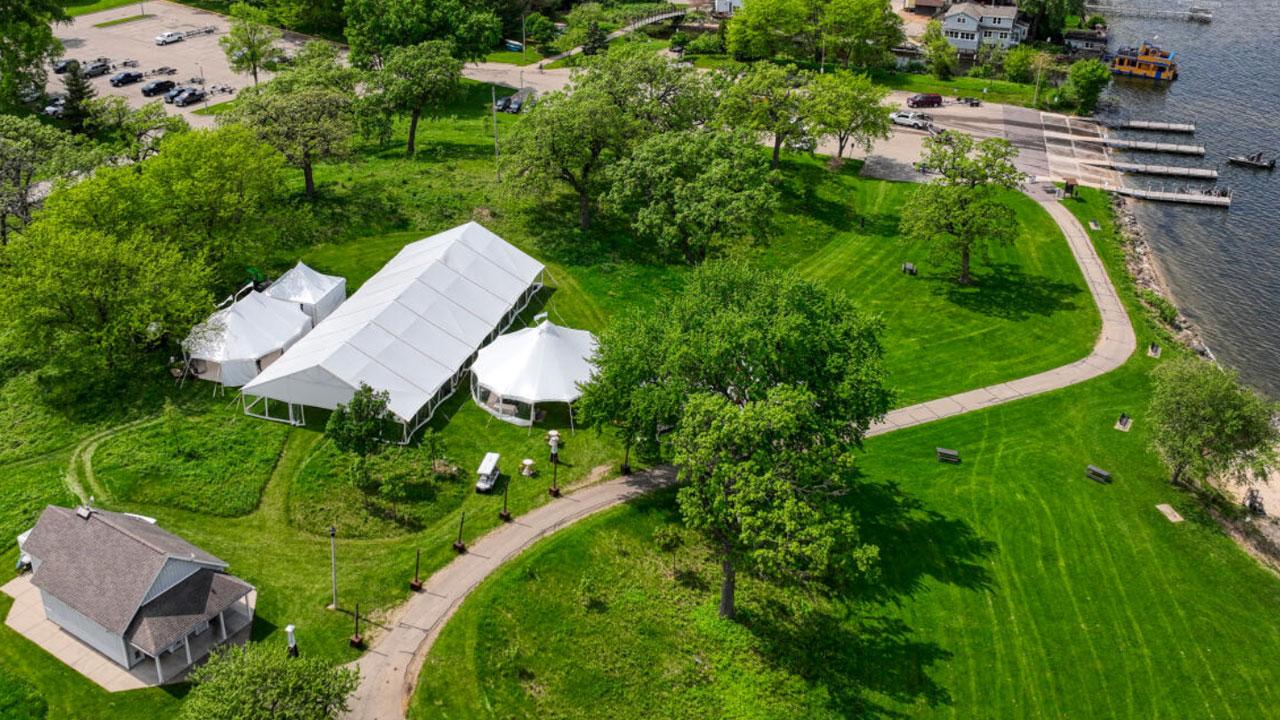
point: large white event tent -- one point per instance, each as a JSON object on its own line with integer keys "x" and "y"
{"x": 317, "y": 294}
{"x": 535, "y": 365}
{"x": 243, "y": 338}
{"x": 411, "y": 330}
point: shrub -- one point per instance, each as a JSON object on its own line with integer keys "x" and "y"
{"x": 705, "y": 44}
{"x": 667, "y": 538}
{"x": 1165, "y": 311}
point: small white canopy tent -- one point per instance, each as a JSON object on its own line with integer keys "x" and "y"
{"x": 541, "y": 364}
{"x": 317, "y": 294}
{"x": 238, "y": 341}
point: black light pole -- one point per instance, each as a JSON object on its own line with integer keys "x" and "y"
{"x": 505, "y": 515}
{"x": 458, "y": 545}
{"x": 356, "y": 639}
{"x": 554, "y": 490}
{"x": 416, "y": 584}
{"x": 333, "y": 564}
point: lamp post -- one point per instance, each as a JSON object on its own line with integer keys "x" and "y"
{"x": 505, "y": 515}
{"x": 458, "y": 545}
{"x": 333, "y": 564}
{"x": 357, "y": 640}
{"x": 293, "y": 641}
{"x": 416, "y": 584}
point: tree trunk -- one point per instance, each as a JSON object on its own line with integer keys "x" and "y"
{"x": 964, "y": 267}
{"x": 777, "y": 150}
{"x": 1177, "y": 475}
{"x": 413, "y": 131}
{"x": 309, "y": 176}
{"x": 584, "y": 210}
{"x": 255, "y": 74}
{"x": 727, "y": 588}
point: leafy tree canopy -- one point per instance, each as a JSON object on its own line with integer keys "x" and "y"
{"x": 861, "y": 32}
{"x": 1205, "y": 424}
{"x": 695, "y": 191}
{"x": 941, "y": 57}
{"x": 660, "y": 94}
{"x": 1088, "y": 78}
{"x": 763, "y": 29}
{"x": 768, "y": 100}
{"x": 848, "y": 108}
{"x": 31, "y": 152}
{"x": 137, "y": 132}
{"x": 27, "y": 43}
{"x": 261, "y": 682}
{"x": 374, "y": 27}
{"x": 419, "y": 79}
{"x": 250, "y": 44}
{"x": 356, "y": 427}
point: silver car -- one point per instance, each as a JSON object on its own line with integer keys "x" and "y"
{"x": 166, "y": 38}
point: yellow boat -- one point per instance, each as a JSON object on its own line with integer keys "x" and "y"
{"x": 1146, "y": 61}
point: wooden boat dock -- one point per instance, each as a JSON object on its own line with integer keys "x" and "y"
{"x": 1147, "y": 146}
{"x": 1188, "y": 128}
{"x": 1193, "y": 173}
{"x": 1187, "y": 198}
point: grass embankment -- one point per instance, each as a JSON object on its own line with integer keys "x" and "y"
{"x": 76, "y": 8}
{"x": 123, "y": 20}
{"x": 1010, "y": 586}
{"x": 1029, "y": 312}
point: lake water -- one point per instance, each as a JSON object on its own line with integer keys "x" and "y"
{"x": 1223, "y": 266}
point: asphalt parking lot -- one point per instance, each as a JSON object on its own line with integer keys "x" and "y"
{"x": 194, "y": 58}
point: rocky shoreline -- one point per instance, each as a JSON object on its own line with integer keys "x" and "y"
{"x": 1144, "y": 268}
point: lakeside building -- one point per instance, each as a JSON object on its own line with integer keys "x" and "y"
{"x": 968, "y": 26}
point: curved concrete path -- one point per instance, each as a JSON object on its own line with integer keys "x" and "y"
{"x": 389, "y": 670}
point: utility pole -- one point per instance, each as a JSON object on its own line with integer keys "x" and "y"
{"x": 333, "y": 564}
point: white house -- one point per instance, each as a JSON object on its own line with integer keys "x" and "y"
{"x": 969, "y": 25}
{"x": 725, "y": 7}
{"x": 131, "y": 590}
{"x": 1086, "y": 41}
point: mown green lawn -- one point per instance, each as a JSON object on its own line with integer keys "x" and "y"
{"x": 1028, "y": 313}
{"x": 1010, "y": 587}
{"x": 512, "y": 57}
{"x": 76, "y": 8}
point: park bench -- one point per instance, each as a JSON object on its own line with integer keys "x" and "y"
{"x": 1093, "y": 472}
{"x": 909, "y": 268}
{"x": 948, "y": 456}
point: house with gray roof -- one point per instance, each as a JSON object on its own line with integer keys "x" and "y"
{"x": 131, "y": 590}
{"x": 968, "y": 26}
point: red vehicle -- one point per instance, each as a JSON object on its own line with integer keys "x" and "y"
{"x": 924, "y": 100}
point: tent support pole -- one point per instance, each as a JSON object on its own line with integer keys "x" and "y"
{"x": 571, "y": 428}
{"x": 533, "y": 415}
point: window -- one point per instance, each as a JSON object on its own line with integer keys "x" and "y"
{"x": 986, "y": 33}
{"x": 1004, "y": 36}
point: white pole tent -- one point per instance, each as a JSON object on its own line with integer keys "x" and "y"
{"x": 316, "y": 293}
{"x": 542, "y": 364}
{"x": 243, "y": 338}
{"x": 412, "y": 330}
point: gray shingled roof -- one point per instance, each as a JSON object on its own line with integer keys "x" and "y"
{"x": 173, "y": 612}
{"x": 978, "y": 11}
{"x": 103, "y": 566}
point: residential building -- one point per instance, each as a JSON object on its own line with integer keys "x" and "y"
{"x": 967, "y": 26}
{"x": 131, "y": 590}
{"x": 1091, "y": 42}
{"x": 725, "y": 7}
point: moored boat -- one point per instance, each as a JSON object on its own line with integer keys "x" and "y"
{"x": 1254, "y": 161}
{"x": 1145, "y": 61}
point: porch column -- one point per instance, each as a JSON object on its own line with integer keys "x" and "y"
{"x": 222, "y": 623}
{"x": 159, "y": 672}
{"x": 186, "y": 646}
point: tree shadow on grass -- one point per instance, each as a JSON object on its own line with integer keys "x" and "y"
{"x": 1006, "y": 292}
{"x": 856, "y": 657}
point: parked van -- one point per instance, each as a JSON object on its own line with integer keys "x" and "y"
{"x": 925, "y": 100}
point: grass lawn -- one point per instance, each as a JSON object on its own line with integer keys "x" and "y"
{"x": 511, "y": 57}
{"x": 75, "y": 8}
{"x": 1010, "y": 586}
{"x": 1029, "y": 313}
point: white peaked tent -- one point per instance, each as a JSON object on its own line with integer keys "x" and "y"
{"x": 318, "y": 294}
{"x": 412, "y": 329}
{"x": 240, "y": 340}
{"x": 535, "y": 365}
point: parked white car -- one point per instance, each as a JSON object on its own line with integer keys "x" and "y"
{"x": 917, "y": 120}
{"x": 168, "y": 37}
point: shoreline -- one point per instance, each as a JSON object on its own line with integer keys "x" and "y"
{"x": 1143, "y": 265}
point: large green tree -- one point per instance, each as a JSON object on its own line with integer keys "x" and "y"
{"x": 79, "y": 91}
{"x": 1205, "y": 424}
{"x": 567, "y": 138}
{"x": 95, "y": 302}
{"x": 736, "y": 330}
{"x": 861, "y": 32}
{"x": 769, "y": 100}
{"x": 695, "y": 191}
{"x": 763, "y": 29}
{"x": 961, "y": 212}
{"x": 848, "y": 108}
{"x": 356, "y": 427}
{"x": 1048, "y": 17}
{"x": 1087, "y": 79}
{"x": 419, "y": 79}
{"x": 261, "y": 682}
{"x": 32, "y": 152}
{"x": 763, "y": 480}
{"x": 374, "y": 27}
{"x": 250, "y": 44}
{"x": 27, "y": 44}
{"x": 661, "y": 94}
{"x": 940, "y": 56}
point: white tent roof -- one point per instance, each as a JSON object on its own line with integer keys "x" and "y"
{"x": 538, "y": 364}
{"x": 410, "y": 328}
{"x": 301, "y": 284}
{"x": 251, "y": 327}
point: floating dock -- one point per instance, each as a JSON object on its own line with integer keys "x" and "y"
{"x": 1147, "y": 146}
{"x": 1174, "y": 197}
{"x": 1188, "y": 128}
{"x": 1195, "y": 14}
{"x": 1165, "y": 170}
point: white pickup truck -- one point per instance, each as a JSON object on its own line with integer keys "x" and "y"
{"x": 487, "y": 473}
